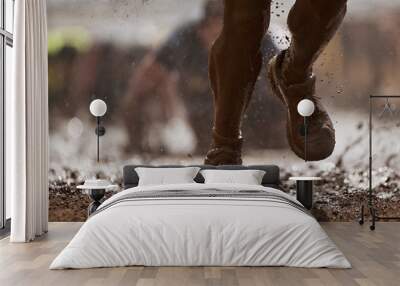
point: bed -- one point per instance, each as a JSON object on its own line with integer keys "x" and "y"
{"x": 199, "y": 224}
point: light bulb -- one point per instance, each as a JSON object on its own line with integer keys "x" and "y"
{"x": 306, "y": 107}
{"x": 98, "y": 108}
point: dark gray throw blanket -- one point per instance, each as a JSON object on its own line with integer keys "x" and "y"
{"x": 206, "y": 194}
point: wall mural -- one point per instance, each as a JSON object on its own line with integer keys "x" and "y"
{"x": 149, "y": 61}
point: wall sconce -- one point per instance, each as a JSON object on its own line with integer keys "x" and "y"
{"x": 305, "y": 108}
{"x": 98, "y": 108}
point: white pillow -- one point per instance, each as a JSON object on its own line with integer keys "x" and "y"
{"x": 165, "y": 176}
{"x": 247, "y": 177}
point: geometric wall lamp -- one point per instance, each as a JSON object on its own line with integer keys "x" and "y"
{"x": 370, "y": 202}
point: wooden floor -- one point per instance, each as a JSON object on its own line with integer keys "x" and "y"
{"x": 375, "y": 257}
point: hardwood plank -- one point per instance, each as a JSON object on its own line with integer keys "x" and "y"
{"x": 375, "y": 257}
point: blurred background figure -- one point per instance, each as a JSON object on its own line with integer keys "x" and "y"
{"x": 171, "y": 88}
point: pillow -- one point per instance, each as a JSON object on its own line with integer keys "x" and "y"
{"x": 165, "y": 176}
{"x": 247, "y": 177}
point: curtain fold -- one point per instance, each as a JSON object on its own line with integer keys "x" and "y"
{"x": 27, "y": 124}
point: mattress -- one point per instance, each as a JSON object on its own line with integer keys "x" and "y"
{"x": 201, "y": 225}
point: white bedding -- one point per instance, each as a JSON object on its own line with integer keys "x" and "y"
{"x": 200, "y": 231}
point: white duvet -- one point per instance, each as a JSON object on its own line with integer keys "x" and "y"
{"x": 200, "y": 232}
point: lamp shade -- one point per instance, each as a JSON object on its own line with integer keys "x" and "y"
{"x": 306, "y": 107}
{"x": 98, "y": 107}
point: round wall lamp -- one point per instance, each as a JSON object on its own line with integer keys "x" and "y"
{"x": 305, "y": 108}
{"x": 98, "y": 109}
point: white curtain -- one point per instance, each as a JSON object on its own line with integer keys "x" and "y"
{"x": 27, "y": 124}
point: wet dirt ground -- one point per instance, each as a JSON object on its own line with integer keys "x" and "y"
{"x": 337, "y": 197}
